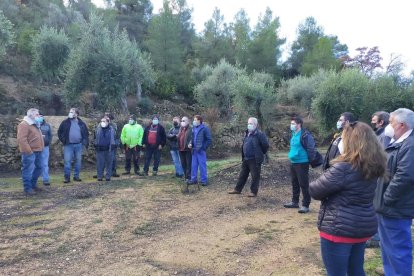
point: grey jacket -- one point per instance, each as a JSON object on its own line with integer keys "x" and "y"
{"x": 395, "y": 198}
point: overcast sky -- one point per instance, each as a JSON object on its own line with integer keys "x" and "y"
{"x": 357, "y": 23}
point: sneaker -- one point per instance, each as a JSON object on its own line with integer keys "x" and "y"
{"x": 303, "y": 210}
{"x": 291, "y": 205}
{"x": 115, "y": 175}
{"x": 77, "y": 179}
{"x": 126, "y": 173}
{"x": 154, "y": 173}
{"x": 251, "y": 195}
{"x": 234, "y": 192}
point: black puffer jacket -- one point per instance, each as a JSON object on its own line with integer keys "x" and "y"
{"x": 347, "y": 202}
{"x": 395, "y": 198}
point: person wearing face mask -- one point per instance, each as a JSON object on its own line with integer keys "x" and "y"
{"x": 154, "y": 140}
{"x": 201, "y": 140}
{"x": 379, "y": 122}
{"x": 335, "y": 146}
{"x": 73, "y": 133}
{"x": 184, "y": 139}
{"x": 394, "y": 197}
{"x": 31, "y": 144}
{"x": 254, "y": 148}
{"x": 302, "y": 153}
{"x": 172, "y": 137}
{"x": 104, "y": 142}
{"x": 131, "y": 139}
{"x": 117, "y": 135}
{"x": 47, "y": 137}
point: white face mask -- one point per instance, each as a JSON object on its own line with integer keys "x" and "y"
{"x": 131, "y": 122}
{"x": 389, "y": 131}
{"x": 70, "y": 116}
{"x": 341, "y": 147}
{"x": 183, "y": 124}
{"x": 251, "y": 127}
{"x": 339, "y": 125}
{"x": 103, "y": 124}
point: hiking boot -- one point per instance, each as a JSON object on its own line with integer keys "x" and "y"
{"x": 77, "y": 179}
{"x": 234, "y": 192}
{"x": 115, "y": 174}
{"x": 154, "y": 173}
{"x": 303, "y": 210}
{"x": 67, "y": 180}
{"x": 291, "y": 205}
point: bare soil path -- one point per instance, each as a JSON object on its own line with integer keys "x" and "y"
{"x": 147, "y": 226}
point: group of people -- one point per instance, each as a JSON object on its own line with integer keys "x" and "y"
{"x": 187, "y": 141}
{"x": 366, "y": 187}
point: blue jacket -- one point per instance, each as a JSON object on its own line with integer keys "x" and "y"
{"x": 201, "y": 138}
{"x": 259, "y": 143}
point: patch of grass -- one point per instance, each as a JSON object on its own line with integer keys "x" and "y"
{"x": 145, "y": 229}
{"x": 372, "y": 262}
{"x": 97, "y": 220}
{"x": 249, "y": 230}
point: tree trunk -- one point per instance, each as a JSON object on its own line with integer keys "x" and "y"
{"x": 139, "y": 91}
{"x": 124, "y": 105}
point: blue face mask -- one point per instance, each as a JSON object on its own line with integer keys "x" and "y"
{"x": 250, "y": 127}
{"x": 155, "y": 122}
{"x": 339, "y": 125}
{"x": 293, "y": 127}
{"x": 196, "y": 123}
{"x": 39, "y": 120}
{"x": 131, "y": 122}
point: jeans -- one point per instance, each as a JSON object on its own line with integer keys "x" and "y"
{"x": 396, "y": 245}
{"x": 132, "y": 154}
{"x": 151, "y": 150}
{"x": 300, "y": 181}
{"x": 177, "y": 163}
{"x": 31, "y": 170}
{"x": 45, "y": 164}
{"x": 71, "y": 151}
{"x": 249, "y": 166}
{"x": 199, "y": 160}
{"x": 341, "y": 259}
{"x": 186, "y": 157}
{"x": 104, "y": 161}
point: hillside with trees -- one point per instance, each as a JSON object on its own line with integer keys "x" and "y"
{"x": 125, "y": 57}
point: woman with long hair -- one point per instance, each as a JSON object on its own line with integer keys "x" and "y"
{"x": 347, "y": 218}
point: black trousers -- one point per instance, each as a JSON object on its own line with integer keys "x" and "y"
{"x": 186, "y": 158}
{"x": 132, "y": 154}
{"x": 249, "y": 167}
{"x": 300, "y": 181}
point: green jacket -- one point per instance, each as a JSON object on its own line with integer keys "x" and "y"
{"x": 131, "y": 135}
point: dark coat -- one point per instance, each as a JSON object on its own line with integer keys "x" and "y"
{"x": 161, "y": 136}
{"x": 172, "y": 137}
{"x": 202, "y": 140}
{"x": 346, "y": 202}
{"x": 188, "y": 137}
{"x": 308, "y": 143}
{"x": 332, "y": 152}
{"x": 395, "y": 198}
{"x": 260, "y": 145}
{"x": 64, "y": 128}
{"x": 47, "y": 133}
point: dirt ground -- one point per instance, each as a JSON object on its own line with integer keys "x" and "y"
{"x": 148, "y": 226}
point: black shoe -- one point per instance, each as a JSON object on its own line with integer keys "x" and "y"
{"x": 95, "y": 176}
{"x": 115, "y": 175}
{"x": 137, "y": 173}
{"x": 67, "y": 180}
{"x": 77, "y": 179}
{"x": 99, "y": 179}
{"x": 126, "y": 173}
{"x": 234, "y": 192}
{"x": 46, "y": 183}
{"x": 291, "y": 205}
{"x": 204, "y": 184}
{"x": 108, "y": 179}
